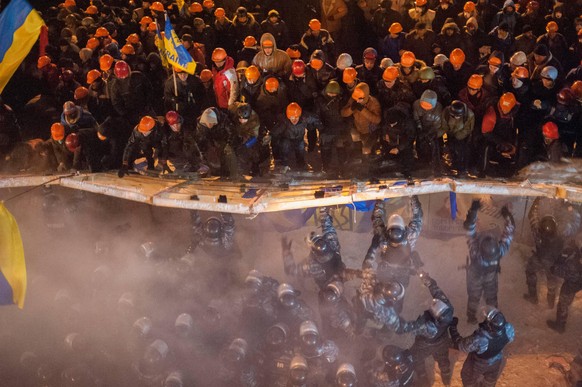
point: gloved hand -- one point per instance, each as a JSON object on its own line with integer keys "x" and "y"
{"x": 475, "y": 205}
{"x": 357, "y": 106}
{"x": 507, "y": 214}
{"x": 455, "y": 321}
{"x": 123, "y": 171}
{"x": 286, "y": 243}
{"x": 426, "y": 279}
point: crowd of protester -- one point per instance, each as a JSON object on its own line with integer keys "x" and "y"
{"x": 354, "y": 88}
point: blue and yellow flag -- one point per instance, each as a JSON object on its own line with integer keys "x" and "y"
{"x": 180, "y": 4}
{"x": 175, "y": 52}
{"x": 12, "y": 265}
{"x": 20, "y": 26}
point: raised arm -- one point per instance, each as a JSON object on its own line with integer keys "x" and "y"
{"x": 508, "y": 231}
{"x": 415, "y": 225}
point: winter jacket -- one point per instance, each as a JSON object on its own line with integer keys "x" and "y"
{"x": 186, "y": 102}
{"x": 131, "y": 96}
{"x": 248, "y": 28}
{"x": 366, "y": 117}
{"x": 310, "y": 43}
{"x": 84, "y": 121}
{"x": 138, "y": 143}
{"x": 328, "y": 110}
{"x": 498, "y": 127}
{"x": 279, "y": 30}
{"x": 286, "y": 129}
{"x": 458, "y": 128}
{"x": 399, "y": 92}
{"x": 332, "y": 12}
{"x": 278, "y": 63}
{"x": 225, "y": 84}
{"x": 421, "y": 46}
{"x": 428, "y": 122}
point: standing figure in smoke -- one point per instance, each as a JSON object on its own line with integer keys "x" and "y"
{"x": 320, "y": 354}
{"x": 484, "y": 348}
{"x": 259, "y": 303}
{"x": 569, "y": 267}
{"x": 324, "y": 263}
{"x": 549, "y": 245}
{"x": 214, "y": 238}
{"x": 337, "y": 315}
{"x": 391, "y": 250}
{"x": 484, "y": 259}
{"x": 291, "y": 309}
{"x": 276, "y": 355}
{"x": 432, "y": 337}
{"x": 238, "y": 366}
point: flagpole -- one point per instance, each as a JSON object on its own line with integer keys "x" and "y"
{"x": 175, "y": 86}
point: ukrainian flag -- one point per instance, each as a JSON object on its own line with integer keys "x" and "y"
{"x": 12, "y": 265}
{"x": 20, "y": 27}
{"x": 175, "y": 52}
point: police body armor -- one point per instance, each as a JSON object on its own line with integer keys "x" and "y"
{"x": 276, "y": 368}
{"x": 395, "y": 264}
{"x": 495, "y": 346}
{"x": 437, "y": 331}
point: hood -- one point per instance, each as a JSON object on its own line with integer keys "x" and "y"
{"x": 268, "y": 36}
{"x": 250, "y": 20}
{"x": 508, "y": 3}
{"x": 473, "y": 20}
{"x": 452, "y": 25}
{"x": 365, "y": 88}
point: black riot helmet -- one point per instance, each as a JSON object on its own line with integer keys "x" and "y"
{"x": 276, "y": 336}
{"x": 346, "y": 376}
{"x": 494, "y": 320}
{"x": 457, "y": 109}
{"x": 398, "y": 361}
{"x": 548, "y": 227}
{"x": 396, "y": 230}
{"x": 287, "y": 296}
{"x": 212, "y": 231}
{"x": 388, "y": 292}
{"x": 319, "y": 247}
{"x": 489, "y": 247}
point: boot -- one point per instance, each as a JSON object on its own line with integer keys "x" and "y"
{"x": 558, "y": 326}
{"x": 531, "y": 298}
{"x": 551, "y": 299}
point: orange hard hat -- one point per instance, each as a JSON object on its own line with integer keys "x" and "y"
{"x": 552, "y": 27}
{"x": 469, "y": 6}
{"x": 80, "y": 93}
{"x": 316, "y": 64}
{"x": 195, "y": 8}
{"x": 494, "y": 61}
{"x": 105, "y": 62}
{"x": 520, "y": 72}
{"x": 92, "y": 43}
{"x": 93, "y": 75}
{"x": 272, "y": 84}
{"x": 128, "y": 49}
{"x": 358, "y": 93}
{"x": 293, "y": 110}
{"x": 349, "y": 75}
{"x": 91, "y": 10}
{"x": 507, "y": 102}
{"x": 314, "y": 25}
{"x": 420, "y": 3}
{"x": 219, "y": 54}
{"x": 100, "y": 136}
{"x": 101, "y": 32}
{"x": 390, "y": 73}
{"x": 57, "y": 131}
{"x": 157, "y": 6}
{"x": 457, "y": 57}
{"x": 475, "y": 81}
{"x": 250, "y": 41}
{"x": 550, "y": 130}
{"x": 146, "y": 124}
{"x": 152, "y": 27}
{"x": 208, "y": 4}
{"x": 395, "y": 28}
{"x": 69, "y": 3}
{"x": 44, "y": 60}
{"x": 577, "y": 89}
{"x": 252, "y": 73}
{"x": 178, "y": 69}
{"x": 132, "y": 39}
{"x": 205, "y": 75}
{"x": 293, "y": 54}
{"x": 146, "y": 20}
{"x": 219, "y": 12}
{"x": 268, "y": 43}
{"x": 407, "y": 59}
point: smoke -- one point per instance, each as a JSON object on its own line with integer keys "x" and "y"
{"x": 113, "y": 298}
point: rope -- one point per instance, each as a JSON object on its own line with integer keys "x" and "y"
{"x": 36, "y": 186}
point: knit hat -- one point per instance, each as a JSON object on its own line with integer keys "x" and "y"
{"x": 428, "y": 99}
{"x": 208, "y": 118}
{"x": 541, "y": 50}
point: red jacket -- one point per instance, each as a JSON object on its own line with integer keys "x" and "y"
{"x": 225, "y": 84}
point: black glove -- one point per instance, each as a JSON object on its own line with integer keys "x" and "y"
{"x": 426, "y": 279}
{"x": 455, "y": 321}
{"x": 357, "y": 106}
{"x": 123, "y": 171}
{"x": 475, "y": 205}
{"x": 507, "y": 214}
